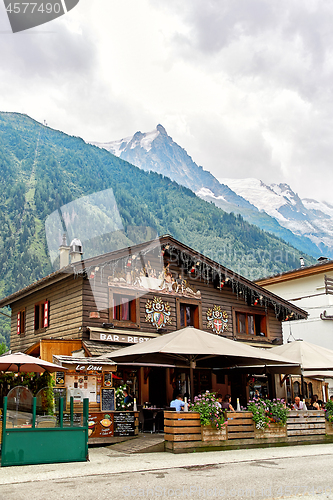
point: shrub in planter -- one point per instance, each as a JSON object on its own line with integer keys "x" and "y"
{"x": 329, "y": 411}
{"x": 266, "y": 411}
{"x": 209, "y": 409}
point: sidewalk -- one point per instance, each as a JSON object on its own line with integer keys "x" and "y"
{"x": 107, "y": 461}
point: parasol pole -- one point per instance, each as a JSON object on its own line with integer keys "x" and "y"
{"x": 192, "y": 367}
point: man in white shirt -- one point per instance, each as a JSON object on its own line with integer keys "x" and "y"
{"x": 299, "y": 405}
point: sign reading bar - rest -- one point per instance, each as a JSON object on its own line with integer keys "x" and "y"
{"x": 107, "y": 399}
{"x": 118, "y": 337}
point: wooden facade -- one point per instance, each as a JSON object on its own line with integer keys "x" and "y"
{"x": 141, "y": 292}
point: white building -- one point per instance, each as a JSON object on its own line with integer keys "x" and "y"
{"x": 310, "y": 288}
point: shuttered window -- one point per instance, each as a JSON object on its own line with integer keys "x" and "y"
{"x": 42, "y": 315}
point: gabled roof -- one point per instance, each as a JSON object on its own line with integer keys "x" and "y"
{"x": 321, "y": 267}
{"x": 209, "y": 270}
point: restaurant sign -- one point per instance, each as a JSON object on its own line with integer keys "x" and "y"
{"x": 120, "y": 338}
{"x": 88, "y": 368}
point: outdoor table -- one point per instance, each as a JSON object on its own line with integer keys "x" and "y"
{"x": 154, "y": 412}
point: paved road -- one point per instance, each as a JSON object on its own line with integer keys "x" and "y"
{"x": 289, "y": 472}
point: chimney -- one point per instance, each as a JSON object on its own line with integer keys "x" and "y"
{"x": 64, "y": 252}
{"x": 76, "y": 251}
{"x": 302, "y": 261}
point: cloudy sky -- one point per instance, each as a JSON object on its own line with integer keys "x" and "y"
{"x": 245, "y": 86}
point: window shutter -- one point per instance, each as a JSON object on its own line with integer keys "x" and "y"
{"x": 18, "y": 331}
{"x": 46, "y": 314}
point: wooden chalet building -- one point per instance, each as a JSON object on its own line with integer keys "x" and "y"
{"x": 91, "y": 307}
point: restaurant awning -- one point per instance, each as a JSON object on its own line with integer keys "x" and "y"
{"x": 311, "y": 357}
{"x": 85, "y": 364}
{"x": 196, "y": 348}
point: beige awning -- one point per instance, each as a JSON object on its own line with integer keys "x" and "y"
{"x": 311, "y": 357}
{"x": 193, "y": 347}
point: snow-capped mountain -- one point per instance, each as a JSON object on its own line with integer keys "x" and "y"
{"x": 306, "y": 217}
{"x": 157, "y": 151}
{"x": 306, "y": 224}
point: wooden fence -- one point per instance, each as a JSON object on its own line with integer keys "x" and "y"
{"x": 183, "y": 431}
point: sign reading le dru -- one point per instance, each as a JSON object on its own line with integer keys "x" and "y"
{"x": 25, "y": 15}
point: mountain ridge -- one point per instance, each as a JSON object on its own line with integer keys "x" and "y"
{"x": 156, "y": 151}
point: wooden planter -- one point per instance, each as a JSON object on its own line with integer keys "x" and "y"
{"x": 329, "y": 428}
{"x": 274, "y": 431}
{"x": 209, "y": 434}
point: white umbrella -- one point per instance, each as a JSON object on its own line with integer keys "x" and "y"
{"x": 20, "y": 362}
{"x": 311, "y": 357}
{"x": 192, "y": 347}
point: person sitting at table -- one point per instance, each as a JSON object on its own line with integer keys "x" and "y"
{"x": 226, "y": 404}
{"x": 298, "y": 404}
{"x": 219, "y": 400}
{"x": 314, "y": 403}
{"x": 178, "y": 403}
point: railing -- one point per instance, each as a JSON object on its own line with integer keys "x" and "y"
{"x": 44, "y": 440}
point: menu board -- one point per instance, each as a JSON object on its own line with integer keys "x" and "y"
{"x": 124, "y": 423}
{"x": 59, "y": 392}
{"x": 60, "y": 378}
{"x": 107, "y": 379}
{"x": 108, "y": 399}
{"x": 77, "y": 419}
{"x": 100, "y": 425}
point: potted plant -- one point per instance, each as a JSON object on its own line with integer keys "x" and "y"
{"x": 270, "y": 417}
{"x": 212, "y": 419}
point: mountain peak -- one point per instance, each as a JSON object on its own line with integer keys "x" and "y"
{"x": 161, "y": 129}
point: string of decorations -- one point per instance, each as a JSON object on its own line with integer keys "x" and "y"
{"x": 195, "y": 267}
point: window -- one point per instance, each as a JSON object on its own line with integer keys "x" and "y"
{"x": 123, "y": 310}
{"x": 251, "y": 324}
{"x": 41, "y": 316}
{"x": 188, "y": 313}
{"x": 296, "y": 387}
{"x": 21, "y": 322}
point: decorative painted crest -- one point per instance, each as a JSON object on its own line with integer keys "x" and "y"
{"x": 158, "y": 313}
{"x": 217, "y": 319}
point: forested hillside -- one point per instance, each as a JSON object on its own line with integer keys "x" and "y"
{"x": 43, "y": 169}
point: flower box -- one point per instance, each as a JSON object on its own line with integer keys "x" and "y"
{"x": 208, "y": 433}
{"x": 329, "y": 428}
{"x": 273, "y": 431}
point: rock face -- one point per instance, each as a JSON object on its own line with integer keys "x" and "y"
{"x": 306, "y": 224}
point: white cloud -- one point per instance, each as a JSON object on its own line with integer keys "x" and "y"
{"x": 243, "y": 85}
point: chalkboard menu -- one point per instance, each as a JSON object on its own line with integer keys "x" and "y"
{"x": 108, "y": 399}
{"x": 77, "y": 419}
{"x": 59, "y": 392}
{"x": 124, "y": 423}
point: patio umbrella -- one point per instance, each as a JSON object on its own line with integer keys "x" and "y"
{"x": 191, "y": 347}
{"x": 20, "y": 362}
{"x": 311, "y": 357}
